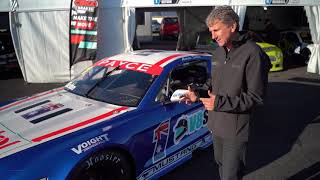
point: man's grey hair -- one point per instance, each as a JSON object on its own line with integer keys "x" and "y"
{"x": 225, "y": 14}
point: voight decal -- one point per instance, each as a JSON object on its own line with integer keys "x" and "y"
{"x": 80, "y": 148}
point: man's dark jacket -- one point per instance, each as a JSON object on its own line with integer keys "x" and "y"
{"x": 239, "y": 80}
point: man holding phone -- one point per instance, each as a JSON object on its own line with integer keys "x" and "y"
{"x": 239, "y": 79}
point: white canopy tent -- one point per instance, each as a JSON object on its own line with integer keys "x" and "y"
{"x": 40, "y": 33}
{"x": 313, "y": 14}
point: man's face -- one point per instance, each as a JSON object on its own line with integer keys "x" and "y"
{"x": 222, "y": 33}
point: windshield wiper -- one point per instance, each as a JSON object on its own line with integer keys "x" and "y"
{"x": 100, "y": 80}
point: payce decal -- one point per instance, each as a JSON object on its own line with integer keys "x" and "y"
{"x": 188, "y": 124}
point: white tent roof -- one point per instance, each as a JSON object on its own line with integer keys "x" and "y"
{"x": 152, "y": 3}
{"x": 4, "y": 6}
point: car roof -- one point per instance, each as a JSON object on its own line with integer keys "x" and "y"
{"x": 149, "y": 61}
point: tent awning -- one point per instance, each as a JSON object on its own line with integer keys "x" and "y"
{"x": 4, "y": 6}
{"x": 180, "y": 3}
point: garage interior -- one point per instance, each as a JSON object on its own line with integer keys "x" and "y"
{"x": 192, "y": 23}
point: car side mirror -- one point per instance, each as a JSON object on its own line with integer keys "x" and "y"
{"x": 178, "y": 94}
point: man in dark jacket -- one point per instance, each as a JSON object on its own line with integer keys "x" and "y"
{"x": 239, "y": 79}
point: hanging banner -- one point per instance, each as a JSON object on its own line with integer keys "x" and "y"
{"x": 83, "y": 30}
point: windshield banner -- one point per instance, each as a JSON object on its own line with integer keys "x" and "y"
{"x": 83, "y": 30}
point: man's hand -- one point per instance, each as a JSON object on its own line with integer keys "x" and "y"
{"x": 189, "y": 97}
{"x": 209, "y": 102}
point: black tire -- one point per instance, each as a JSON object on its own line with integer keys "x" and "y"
{"x": 109, "y": 165}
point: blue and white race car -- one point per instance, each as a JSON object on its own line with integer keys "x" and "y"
{"x": 116, "y": 120}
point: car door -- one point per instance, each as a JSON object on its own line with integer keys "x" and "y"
{"x": 177, "y": 128}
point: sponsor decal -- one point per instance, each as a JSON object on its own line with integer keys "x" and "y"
{"x": 30, "y": 98}
{"x": 161, "y": 165}
{"x": 80, "y": 148}
{"x": 188, "y": 58}
{"x": 71, "y": 85}
{"x": 44, "y": 109}
{"x": 49, "y": 116}
{"x": 79, "y": 125}
{"x": 83, "y": 30}
{"x": 141, "y": 67}
{"x": 32, "y": 106}
{"x": 158, "y": 2}
{"x": 102, "y": 157}
{"x": 189, "y": 124}
{"x": 89, "y": 3}
{"x": 147, "y": 52}
{"x": 5, "y": 141}
{"x": 166, "y": 1}
{"x": 277, "y": 1}
{"x": 160, "y": 138}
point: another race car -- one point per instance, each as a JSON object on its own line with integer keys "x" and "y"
{"x": 119, "y": 119}
{"x": 8, "y": 59}
{"x": 205, "y": 43}
{"x": 294, "y": 44}
{"x": 273, "y": 51}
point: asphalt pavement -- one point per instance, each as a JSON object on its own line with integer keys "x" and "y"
{"x": 285, "y": 133}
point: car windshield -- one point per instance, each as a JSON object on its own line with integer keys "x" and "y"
{"x": 111, "y": 85}
{"x": 171, "y": 20}
{"x": 155, "y": 22}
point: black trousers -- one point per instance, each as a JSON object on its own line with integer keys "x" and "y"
{"x": 230, "y": 155}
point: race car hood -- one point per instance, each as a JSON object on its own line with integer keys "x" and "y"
{"x": 47, "y": 116}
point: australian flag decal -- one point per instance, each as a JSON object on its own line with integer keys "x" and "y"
{"x": 160, "y": 138}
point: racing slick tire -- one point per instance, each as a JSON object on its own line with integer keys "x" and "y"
{"x": 111, "y": 165}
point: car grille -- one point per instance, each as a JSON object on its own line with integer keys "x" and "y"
{"x": 272, "y": 58}
{"x": 267, "y": 49}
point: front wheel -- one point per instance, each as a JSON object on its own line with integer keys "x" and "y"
{"x": 111, "y": 165}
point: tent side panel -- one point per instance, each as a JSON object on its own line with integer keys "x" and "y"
{"x": 111, "y": 34}
{"x": 44, "y": 39}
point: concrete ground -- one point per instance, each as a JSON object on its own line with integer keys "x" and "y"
{"x": 284, "y": 141}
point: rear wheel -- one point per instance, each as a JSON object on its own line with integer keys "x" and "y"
{"x": 111, "y": 165}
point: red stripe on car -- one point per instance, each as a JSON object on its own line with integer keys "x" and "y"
{"x": 167, "y": 59}
{"x": 9, "y": 144}
{"x": 74, "y": 126}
